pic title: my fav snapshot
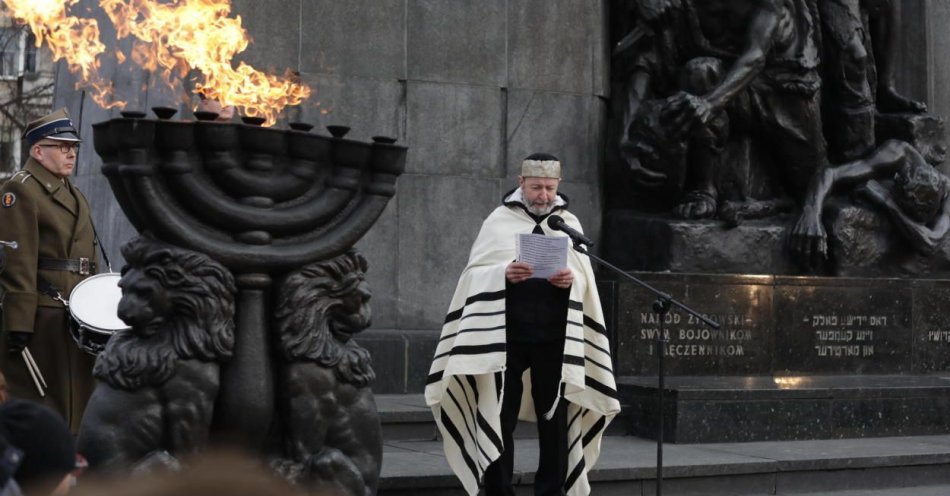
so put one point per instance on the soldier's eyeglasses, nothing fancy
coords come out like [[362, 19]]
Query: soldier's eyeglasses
[[64, 147]]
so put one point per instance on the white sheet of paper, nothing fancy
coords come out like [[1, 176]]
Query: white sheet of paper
[[546, 254]]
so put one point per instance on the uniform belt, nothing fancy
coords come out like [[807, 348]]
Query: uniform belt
[[81, 266]]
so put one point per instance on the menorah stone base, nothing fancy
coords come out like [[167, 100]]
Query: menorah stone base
[[796, 358]]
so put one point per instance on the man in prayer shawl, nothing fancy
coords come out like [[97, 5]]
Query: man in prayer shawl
[[516, 346]]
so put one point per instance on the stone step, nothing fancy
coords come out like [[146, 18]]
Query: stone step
[[406, 417], [941, 490], [765, 408], [905, 466]]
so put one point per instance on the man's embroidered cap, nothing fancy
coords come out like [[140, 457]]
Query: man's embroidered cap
[[541, 165], [55, 126]]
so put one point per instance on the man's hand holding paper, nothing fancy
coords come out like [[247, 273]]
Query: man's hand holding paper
[[542, 257]]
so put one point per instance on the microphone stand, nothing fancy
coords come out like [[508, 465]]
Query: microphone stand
[[660, 308]]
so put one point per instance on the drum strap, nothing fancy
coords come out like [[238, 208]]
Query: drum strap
[[47, 288], [102, 249]]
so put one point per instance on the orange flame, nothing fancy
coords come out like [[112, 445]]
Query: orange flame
[[181, 35], [72, 39], [173, 38]]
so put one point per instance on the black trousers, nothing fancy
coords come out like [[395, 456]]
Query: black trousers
[[544, 360]]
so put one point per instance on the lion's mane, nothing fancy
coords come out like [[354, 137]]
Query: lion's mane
[[200, 325], [307, 301]]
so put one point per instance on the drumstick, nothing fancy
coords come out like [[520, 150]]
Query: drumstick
[[35, 366], [29, 368]]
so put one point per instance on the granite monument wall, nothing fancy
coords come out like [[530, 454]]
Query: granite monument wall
[[471, 86]]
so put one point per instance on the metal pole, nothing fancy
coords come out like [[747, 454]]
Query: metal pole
[[661, 306]]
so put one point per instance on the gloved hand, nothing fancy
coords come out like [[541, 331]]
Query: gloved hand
[[17, 340]]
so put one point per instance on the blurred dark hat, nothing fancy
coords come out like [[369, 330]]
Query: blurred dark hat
[[55, 126], [49, 451], [10, 458]]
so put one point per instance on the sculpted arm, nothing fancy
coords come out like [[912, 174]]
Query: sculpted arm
[[750, 63], [691, 110], [808, 237]]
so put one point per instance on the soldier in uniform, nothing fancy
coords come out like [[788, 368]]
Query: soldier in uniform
[[49, 219]]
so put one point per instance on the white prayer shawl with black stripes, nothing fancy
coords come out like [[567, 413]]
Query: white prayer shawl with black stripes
[[464, 387]]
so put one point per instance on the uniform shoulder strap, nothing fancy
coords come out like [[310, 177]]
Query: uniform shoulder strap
[[20, 176]]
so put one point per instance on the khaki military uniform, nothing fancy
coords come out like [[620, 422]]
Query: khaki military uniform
[[48, 218]]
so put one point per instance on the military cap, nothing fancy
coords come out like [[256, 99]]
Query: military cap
[[541, 165], [55, 126]]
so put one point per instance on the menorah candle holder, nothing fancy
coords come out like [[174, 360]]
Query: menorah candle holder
[[260, 201]]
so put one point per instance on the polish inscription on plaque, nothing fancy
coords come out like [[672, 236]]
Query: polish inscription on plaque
[[864, 327], [739, 304]]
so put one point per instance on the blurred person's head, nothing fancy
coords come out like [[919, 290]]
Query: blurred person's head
[[10, 457], [228, 474], [47, 446]]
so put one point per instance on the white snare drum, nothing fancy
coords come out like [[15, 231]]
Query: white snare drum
[[94, 307]]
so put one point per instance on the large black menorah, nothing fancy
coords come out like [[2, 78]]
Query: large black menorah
[[262, 202]]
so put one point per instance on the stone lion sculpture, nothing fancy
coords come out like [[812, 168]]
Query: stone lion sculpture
[[332, 436], [158, 380]]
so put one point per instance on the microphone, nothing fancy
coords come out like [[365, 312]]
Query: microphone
[[557, 223]]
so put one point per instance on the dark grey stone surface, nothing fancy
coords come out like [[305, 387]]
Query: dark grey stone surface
[[842, 326], [565, 125], [766, 408], [388, 350], [462, 41], [363, 38], [918, 466], [931, 340], [436, 232], [401, 359], [455, 130], [552, 45], [420, 348], [916, 413], [938, 94], [382, 273], [370, 107], [274, 48], [585, 203]]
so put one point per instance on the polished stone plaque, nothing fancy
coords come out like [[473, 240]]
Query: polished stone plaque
[[849, 326], [778, 325], [740, 304]]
